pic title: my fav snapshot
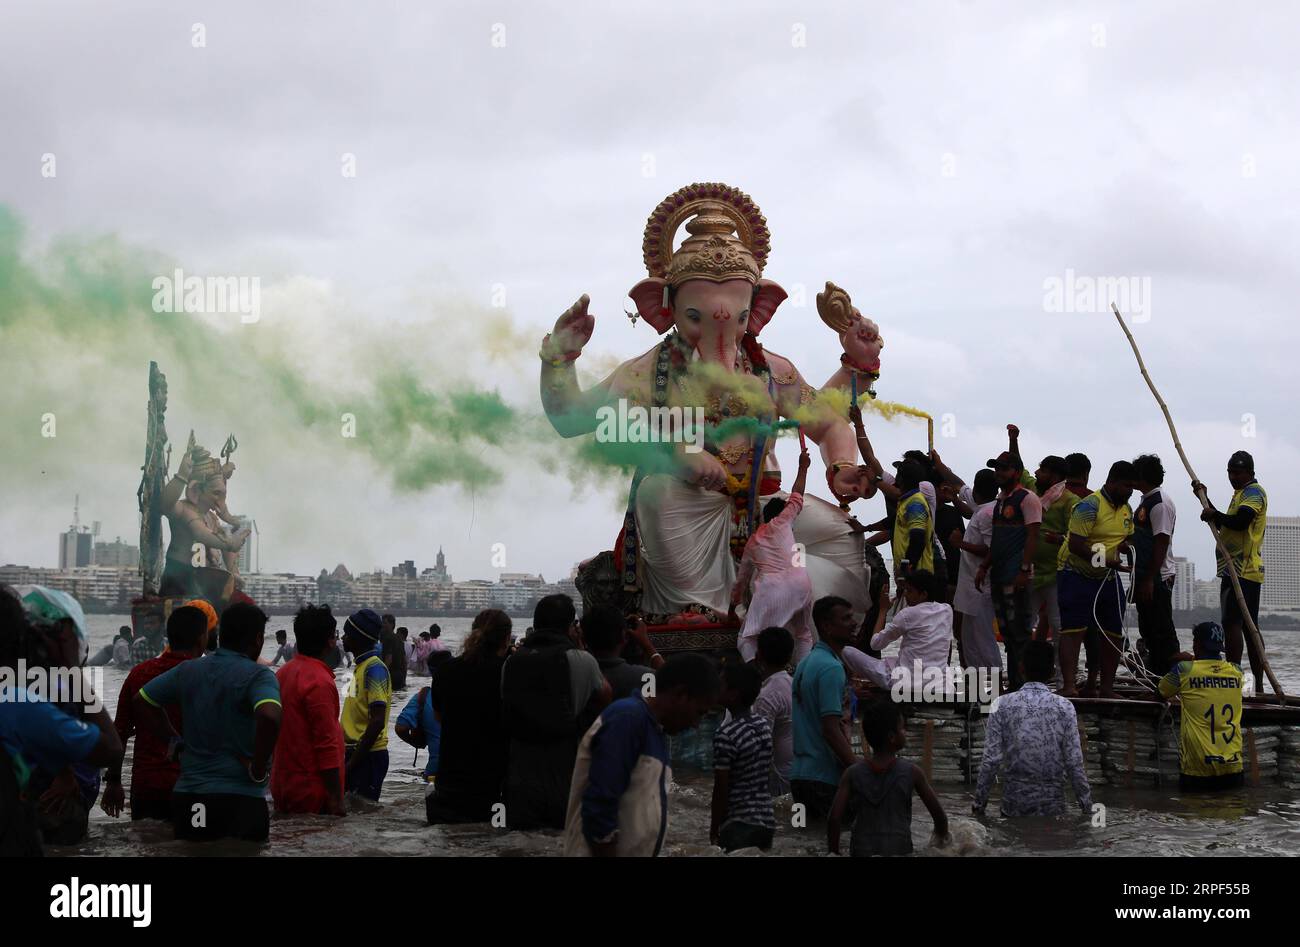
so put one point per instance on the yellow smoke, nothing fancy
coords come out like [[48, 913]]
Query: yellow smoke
[[835, 402], [892, 409], [705, 381]]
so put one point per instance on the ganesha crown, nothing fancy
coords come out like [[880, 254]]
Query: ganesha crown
[[728, 236]]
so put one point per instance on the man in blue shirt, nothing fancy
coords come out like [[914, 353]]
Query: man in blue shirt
[[231, 708], [821, 742]]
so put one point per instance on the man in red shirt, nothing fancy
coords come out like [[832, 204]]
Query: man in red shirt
[[154, 769], [306, 772]]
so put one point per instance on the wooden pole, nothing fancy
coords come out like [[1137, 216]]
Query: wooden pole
[[1246, 620]]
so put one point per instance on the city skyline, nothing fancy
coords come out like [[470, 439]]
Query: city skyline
[[1281, 555]]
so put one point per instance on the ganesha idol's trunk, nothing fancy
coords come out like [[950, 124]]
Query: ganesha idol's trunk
[[720, 351]]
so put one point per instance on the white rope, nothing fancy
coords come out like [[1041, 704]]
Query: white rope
[[1129, 657]]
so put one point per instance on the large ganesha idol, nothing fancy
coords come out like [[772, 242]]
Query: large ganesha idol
[[688, 520]]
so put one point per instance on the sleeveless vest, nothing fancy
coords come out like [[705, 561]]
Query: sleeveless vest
[[1008, 543], [1144, 536]]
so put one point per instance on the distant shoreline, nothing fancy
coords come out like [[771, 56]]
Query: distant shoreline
[[281, 611], [1182, 620]]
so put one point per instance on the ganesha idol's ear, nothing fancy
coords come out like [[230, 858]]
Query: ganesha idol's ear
[[767, 296], [648, 296]]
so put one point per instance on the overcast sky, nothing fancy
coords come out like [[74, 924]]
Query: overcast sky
[[941, 161]]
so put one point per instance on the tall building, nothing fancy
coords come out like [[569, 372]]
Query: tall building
[[246, 558], [1281, 554], [75, 547], [406, 569], [439, 572], [1184, 584], [117, 554]]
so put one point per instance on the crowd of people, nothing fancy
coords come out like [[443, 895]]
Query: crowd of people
[[569, 728]]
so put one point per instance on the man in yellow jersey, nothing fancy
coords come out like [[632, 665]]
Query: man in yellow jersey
[[1242, 531], [365, 708], [1089, 590], [913, 522], [1209, 690]]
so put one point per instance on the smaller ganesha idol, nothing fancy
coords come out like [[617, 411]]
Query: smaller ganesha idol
[[859, 337]]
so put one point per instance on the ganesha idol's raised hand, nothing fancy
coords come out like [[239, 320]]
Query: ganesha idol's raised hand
[[859, 337]]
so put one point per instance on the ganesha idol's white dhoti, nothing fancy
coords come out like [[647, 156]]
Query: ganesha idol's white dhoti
[[685, 535]]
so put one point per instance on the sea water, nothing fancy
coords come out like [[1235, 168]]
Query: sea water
[[1264, 820]]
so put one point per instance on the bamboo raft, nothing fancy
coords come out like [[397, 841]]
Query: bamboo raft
[[1130, 742]]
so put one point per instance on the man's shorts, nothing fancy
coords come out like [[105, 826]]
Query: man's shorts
[[368, 778], [1090, 603], [151, 809], [1228, 601], [736, 834], [200, 817], [814, 795]]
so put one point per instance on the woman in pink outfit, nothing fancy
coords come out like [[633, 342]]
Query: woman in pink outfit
[[782, 594]]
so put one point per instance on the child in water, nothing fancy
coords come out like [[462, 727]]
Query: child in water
[[879, 791]]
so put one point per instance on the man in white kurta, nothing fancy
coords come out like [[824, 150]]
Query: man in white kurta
[[979, 644]]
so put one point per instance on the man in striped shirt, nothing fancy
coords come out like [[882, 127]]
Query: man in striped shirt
[[742, 759]]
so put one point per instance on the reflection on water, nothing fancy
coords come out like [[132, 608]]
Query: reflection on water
[[1139, 821]]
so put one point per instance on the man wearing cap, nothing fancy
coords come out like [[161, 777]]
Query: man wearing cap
[[1208, 689], [1009, 564], [1153, 564], [365, 709], [1088, 583], [1242, 532], [210, 614]]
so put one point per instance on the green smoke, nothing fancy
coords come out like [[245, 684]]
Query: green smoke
[[79, 330]]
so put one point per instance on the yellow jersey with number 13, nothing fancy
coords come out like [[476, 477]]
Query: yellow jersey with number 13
[[1210, 735]]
